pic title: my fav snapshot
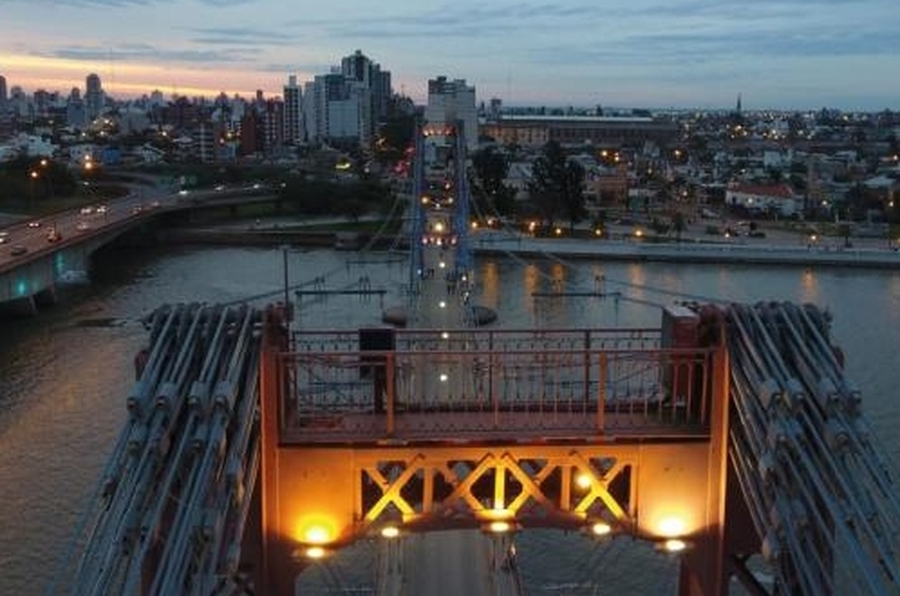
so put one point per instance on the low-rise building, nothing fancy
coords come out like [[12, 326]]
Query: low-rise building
[[777, 199], [537, 130]]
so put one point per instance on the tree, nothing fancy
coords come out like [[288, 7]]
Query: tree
[[844, 230], [572, 193], [556, 185], [678, 224], [396, 134], [491, 167]]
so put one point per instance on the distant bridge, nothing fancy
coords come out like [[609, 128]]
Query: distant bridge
[[30, 279]]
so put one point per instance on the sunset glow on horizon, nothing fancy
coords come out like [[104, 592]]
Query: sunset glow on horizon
[[778, 54], [131, 80]]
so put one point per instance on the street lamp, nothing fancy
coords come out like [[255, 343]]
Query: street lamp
[[34, 176]]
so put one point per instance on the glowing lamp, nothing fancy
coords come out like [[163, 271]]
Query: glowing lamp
[[674, 545], [583, 481], [671, 527], [499, 526], [317, 535]]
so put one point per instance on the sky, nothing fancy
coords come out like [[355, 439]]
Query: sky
[[778, 54]]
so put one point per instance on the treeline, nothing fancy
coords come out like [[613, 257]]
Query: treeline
[[28, 181], [348, 198]]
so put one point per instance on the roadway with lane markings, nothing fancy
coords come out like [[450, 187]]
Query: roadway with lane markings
[[34, 234], [42, 234]]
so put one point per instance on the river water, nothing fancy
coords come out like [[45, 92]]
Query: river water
[[64, 375]]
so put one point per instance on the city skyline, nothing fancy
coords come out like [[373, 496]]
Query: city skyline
[[778, 54]]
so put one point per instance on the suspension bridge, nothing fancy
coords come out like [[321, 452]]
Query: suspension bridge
[[252, 450]]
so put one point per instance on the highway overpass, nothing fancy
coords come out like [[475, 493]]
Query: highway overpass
[[38, 254]]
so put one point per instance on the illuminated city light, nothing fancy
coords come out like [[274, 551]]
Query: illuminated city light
[[317, 535], [674, 545], [672, 526]]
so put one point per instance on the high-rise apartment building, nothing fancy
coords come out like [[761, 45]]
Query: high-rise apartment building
[[294, 133], [347, 103], [451, 102], [4, 97], [381, 94], [18, 105], [273, 126], [357, 67], [319, 93], [93, 96], [5, 119], [376, 84]]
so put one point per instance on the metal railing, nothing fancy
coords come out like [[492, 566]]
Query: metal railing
[[450, 385]]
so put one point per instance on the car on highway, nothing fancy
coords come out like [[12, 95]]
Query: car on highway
[[53, 235], [83, 226], [102, 209], [34, 224], [18, 250], [4, 237], [87, 210]]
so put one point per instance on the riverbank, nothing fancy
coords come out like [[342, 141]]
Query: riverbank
[[762, 253], [756, 251]]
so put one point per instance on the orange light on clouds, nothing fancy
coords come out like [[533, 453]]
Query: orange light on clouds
[[133, 79]]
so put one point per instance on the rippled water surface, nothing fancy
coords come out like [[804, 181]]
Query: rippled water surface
[[64, 376]]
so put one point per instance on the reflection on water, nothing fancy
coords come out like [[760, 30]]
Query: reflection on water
[[65, 375]]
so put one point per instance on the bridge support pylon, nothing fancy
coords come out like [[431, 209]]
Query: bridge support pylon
[[277, 565], [704, 571], [321, 490]]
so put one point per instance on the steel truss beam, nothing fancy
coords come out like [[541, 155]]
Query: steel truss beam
[[567, 490]]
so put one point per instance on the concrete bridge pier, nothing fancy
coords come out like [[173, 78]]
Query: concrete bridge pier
[[277, 563], [704, 570], [46, 297]]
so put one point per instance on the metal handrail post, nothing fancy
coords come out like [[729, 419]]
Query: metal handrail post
[[389, 389], [601, 391]]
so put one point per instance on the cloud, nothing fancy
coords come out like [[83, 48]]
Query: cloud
[[295, 67], [226, 3], [90, 4], [449, 21], [241, 36], [149, 53]]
